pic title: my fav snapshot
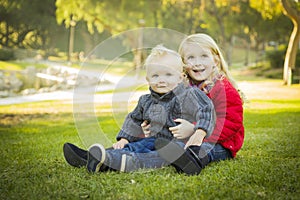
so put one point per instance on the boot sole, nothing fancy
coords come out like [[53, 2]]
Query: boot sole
[[96, 158]]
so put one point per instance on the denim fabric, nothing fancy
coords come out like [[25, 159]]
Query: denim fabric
[[139, 155], [215, 152], [133, 161], [144, 145], [142, 155]]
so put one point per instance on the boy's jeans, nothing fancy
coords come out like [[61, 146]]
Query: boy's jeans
[[135, 156]]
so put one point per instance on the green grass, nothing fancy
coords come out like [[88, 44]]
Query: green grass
[[17, 65], [116, 67], [33, 167]]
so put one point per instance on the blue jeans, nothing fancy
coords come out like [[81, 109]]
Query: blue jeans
[[144, 145], [215, 152], [134, 156], [142, 155]]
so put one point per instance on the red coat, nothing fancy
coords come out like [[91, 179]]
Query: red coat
[[229, 129]]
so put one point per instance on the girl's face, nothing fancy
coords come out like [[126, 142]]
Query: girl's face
[[200, 61], [163, 74]]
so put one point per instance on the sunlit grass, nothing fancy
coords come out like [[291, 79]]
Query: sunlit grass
[[17, 65], [272, 106], [33, 167]]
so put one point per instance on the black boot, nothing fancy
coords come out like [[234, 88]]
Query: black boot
[[74, 155], [185, 161], [199, 154]]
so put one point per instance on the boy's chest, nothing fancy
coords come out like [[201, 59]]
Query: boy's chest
[[163, 112]]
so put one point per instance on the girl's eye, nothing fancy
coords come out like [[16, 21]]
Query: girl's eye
[[204, 55], [169, 74], [154, 75]]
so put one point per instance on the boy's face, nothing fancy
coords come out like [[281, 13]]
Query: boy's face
[[163, 74]]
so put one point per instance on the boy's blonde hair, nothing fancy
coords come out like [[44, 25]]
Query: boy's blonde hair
[[160, 51]]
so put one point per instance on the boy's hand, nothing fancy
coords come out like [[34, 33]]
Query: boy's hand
[[196, 138], [146, 128], [120, 144], [183, 130]]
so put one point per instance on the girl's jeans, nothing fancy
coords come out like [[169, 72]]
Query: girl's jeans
[[142, 155], [215, 152]]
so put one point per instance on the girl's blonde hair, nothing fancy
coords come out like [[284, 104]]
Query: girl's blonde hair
[[205, 40], [220, 71]]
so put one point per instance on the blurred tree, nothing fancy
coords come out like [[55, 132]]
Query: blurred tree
[[113, 16], [117, 16], [256, 27], [184, 16], [219, 21], [247, 19], [33, 24], [292, 10], [271, 9], [28, 24]]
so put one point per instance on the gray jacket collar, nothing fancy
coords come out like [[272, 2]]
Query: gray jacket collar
[[170, 95]]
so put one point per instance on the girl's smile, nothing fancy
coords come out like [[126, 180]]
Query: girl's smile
[[198, 70]]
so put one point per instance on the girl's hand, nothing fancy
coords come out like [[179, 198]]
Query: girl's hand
[[196, 138], [146, 128], [120, 144], [183, 130]]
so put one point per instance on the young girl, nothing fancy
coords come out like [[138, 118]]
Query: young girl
[[207, 70]]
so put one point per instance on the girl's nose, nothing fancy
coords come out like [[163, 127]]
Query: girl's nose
[[194, 62], [198, 61]]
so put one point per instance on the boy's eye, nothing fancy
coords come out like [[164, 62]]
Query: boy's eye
[[169, 74], [190, 57], [204, 55], [154, 75]]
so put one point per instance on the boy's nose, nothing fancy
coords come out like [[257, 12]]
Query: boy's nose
[[161, 80]]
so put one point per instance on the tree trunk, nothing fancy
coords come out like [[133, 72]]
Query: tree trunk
[[293, 13]]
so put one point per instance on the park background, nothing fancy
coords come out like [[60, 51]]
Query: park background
[[45, 44]]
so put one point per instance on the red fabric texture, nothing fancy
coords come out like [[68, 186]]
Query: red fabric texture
[[229, 128]]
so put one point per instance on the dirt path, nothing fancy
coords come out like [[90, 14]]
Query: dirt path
[[266, 90], [259, 90]]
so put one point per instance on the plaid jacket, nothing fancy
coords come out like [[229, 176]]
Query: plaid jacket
[[183, 102]]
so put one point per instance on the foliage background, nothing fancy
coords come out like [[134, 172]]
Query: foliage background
[[45, 25]]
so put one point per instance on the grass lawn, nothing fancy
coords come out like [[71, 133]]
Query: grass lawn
[[32, 164]]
